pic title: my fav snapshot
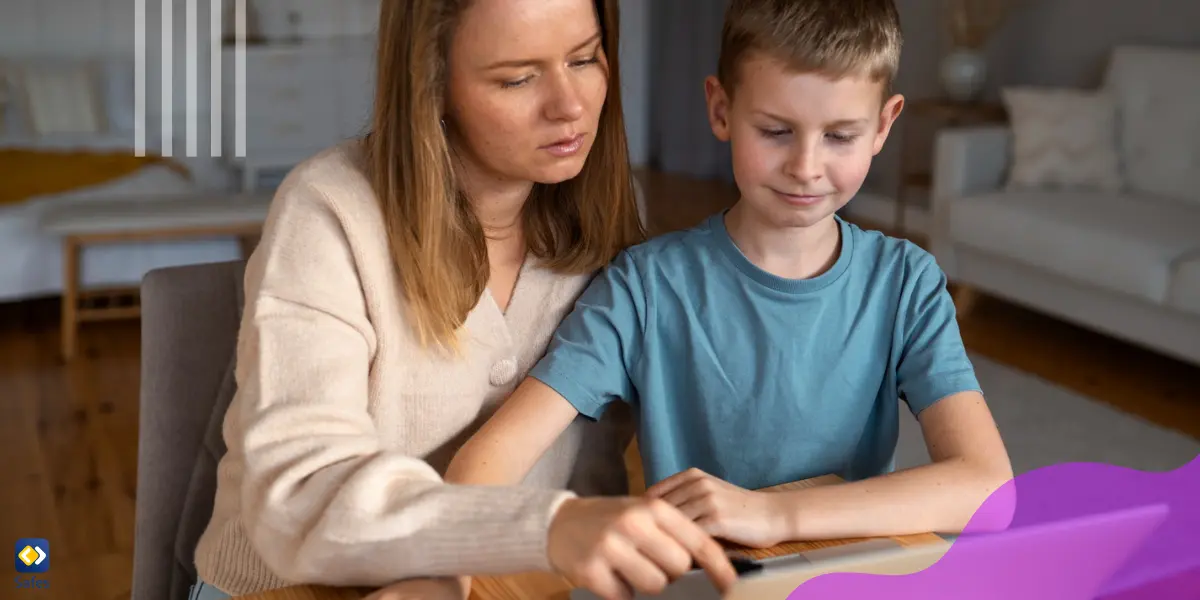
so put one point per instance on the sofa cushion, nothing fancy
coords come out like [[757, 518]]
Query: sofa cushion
[[1185, 285], [1121, 243], [1063, 138], [1157, 91]]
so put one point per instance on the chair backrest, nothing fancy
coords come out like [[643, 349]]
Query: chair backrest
[[190, 319]]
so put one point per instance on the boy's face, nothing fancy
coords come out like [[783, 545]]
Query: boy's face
[[802, 144]]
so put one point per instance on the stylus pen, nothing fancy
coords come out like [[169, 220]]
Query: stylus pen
[[741, 565]]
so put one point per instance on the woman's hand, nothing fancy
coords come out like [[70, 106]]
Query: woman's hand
[[616, 547], [724, 510], [443, 588]]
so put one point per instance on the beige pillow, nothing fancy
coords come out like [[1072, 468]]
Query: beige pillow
[[1063, 139]]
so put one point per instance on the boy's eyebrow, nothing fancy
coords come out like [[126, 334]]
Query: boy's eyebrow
[[838, 123], [527, 63]]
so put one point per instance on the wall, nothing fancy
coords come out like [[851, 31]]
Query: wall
[[1047, 42], [635, 77], [105, 28]]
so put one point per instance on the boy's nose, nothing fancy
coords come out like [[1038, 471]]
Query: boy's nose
[[803, 166]]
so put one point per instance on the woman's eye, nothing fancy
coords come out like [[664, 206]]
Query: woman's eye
[[515, 83], [585, 62]]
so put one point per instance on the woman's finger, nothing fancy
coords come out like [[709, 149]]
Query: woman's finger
[[672, 558], [703, 548], [636, 569], [602, 581]]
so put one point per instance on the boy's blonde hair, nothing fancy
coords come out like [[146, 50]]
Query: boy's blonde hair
[[836, 38]]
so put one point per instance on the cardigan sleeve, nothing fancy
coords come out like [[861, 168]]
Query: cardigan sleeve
[[323, 501]]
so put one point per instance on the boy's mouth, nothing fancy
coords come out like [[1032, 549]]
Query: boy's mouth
[[800, 199]]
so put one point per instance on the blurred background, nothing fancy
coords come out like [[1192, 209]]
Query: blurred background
[[1049, 157]]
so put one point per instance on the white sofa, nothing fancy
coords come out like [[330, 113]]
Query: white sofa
[[1124, 262]]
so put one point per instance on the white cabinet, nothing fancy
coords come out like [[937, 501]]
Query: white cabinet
[[300, 99]]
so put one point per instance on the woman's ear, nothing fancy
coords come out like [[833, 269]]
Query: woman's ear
[[718, 107]]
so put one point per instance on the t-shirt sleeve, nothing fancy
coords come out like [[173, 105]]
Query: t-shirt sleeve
[[593, 352], [933, 362]]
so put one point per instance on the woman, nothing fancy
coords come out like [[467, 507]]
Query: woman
[[403, 285]]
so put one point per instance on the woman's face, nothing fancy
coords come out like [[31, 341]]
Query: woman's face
[[527, 82]]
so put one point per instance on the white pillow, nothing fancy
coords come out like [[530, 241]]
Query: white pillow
[[1158, 91], [61, 97], [119, 94], [1063, 139]]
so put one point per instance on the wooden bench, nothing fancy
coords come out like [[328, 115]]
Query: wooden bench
[[138, 220]]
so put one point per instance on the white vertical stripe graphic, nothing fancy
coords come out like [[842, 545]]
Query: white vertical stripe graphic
[[214, 66], [139, 78], [239, 84], [168, 77], [192, 68]]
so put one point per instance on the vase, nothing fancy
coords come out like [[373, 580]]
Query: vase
[[963, 74]]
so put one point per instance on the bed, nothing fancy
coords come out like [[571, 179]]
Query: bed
[[31, 262]]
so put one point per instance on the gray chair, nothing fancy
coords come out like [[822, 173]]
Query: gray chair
[[190, 319]]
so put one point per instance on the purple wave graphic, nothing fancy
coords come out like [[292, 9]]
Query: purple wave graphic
[[1153, 552]]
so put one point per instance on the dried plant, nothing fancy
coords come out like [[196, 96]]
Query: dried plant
[[970, 23]]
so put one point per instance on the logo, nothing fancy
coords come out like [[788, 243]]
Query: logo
[[143, 42], [32, 555]]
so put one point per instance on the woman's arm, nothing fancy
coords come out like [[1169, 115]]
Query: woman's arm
[[324, 501], [510, 443]]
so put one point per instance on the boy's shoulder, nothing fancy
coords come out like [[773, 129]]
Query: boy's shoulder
[[670, 247], [888, 256]]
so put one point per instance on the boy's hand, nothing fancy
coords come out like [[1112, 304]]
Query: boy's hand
[[724, 510], [449, 588], [616, 547]]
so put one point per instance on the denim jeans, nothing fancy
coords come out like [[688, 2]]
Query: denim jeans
[[203, 591]]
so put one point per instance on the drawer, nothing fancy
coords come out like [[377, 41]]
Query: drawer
[[296, 98], [271, 67], [280, 131]]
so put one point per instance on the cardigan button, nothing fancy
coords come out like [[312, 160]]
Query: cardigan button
[[504, 371]]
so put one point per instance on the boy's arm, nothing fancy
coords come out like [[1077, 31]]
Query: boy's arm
[[508, 445], [968, 465], [586, 367], [968, 459]]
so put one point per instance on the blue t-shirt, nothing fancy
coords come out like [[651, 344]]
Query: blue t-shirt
[[754, 378]]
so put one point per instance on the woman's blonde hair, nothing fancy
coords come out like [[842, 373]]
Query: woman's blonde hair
[[436, 242]]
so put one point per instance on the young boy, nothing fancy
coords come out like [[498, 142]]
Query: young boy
[[773, 342]]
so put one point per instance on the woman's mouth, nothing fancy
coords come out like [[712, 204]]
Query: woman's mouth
[[565, 147]]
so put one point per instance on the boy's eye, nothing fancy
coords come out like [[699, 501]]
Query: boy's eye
[[842, 138], [772, 133]]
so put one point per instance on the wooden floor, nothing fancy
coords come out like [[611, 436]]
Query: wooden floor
[[71, 430]]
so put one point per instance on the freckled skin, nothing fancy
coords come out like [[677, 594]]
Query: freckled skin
[[501, 118]]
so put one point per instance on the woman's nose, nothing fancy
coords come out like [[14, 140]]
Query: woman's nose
[[565, 102]]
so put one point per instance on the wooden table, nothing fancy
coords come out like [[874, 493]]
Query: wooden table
[[548, 586]]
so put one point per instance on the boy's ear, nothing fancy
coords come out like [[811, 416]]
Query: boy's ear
[[718, 107], [887, 117]]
